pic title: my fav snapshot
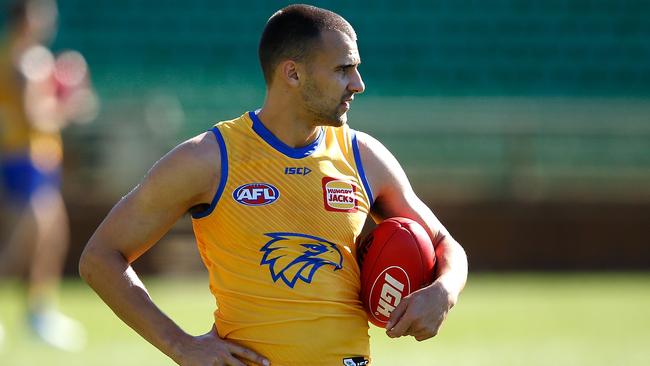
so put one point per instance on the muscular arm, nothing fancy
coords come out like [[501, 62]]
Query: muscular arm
[[422, 313], [185, 177]]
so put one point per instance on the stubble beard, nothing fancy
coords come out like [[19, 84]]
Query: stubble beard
[[325, 111]]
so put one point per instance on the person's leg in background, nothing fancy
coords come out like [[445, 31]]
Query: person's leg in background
[[37, 248]]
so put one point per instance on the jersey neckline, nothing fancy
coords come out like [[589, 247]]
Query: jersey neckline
[[292, 152]]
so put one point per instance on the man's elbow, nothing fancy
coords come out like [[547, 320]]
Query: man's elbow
[[97, 263], [88, 263]]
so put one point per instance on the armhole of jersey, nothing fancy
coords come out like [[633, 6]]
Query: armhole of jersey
[[362, 173], [224, 175]]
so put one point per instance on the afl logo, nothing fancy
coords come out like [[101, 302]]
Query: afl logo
[[256, 194]]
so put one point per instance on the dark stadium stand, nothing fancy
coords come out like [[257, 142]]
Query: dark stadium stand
[[560, 47], [490, 96], [525, 102]]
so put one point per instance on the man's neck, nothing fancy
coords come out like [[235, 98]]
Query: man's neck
[[288, 126]]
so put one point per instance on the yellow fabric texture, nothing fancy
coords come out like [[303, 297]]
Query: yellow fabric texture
[[15, 130], [18, 136], [282, 262]]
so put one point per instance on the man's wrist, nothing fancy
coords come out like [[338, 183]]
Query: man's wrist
[[450, 290], [176, 343]]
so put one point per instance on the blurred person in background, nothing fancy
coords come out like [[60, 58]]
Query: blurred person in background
[[40, 93]]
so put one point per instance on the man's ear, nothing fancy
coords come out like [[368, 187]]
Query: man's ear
[[289, 72]]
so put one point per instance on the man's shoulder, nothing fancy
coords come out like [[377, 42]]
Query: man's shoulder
[[189, 170], [205, 147], [239, 122], [382, 169], [197, 159], [199, 148], [369, 147]]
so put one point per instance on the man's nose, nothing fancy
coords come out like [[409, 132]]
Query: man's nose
[[356, 84]]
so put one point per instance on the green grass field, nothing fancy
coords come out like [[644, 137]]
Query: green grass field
[[513, 319]]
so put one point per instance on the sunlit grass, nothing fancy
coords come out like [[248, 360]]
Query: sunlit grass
[[502, 319]]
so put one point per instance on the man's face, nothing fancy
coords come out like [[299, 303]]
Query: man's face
[[332, 79]]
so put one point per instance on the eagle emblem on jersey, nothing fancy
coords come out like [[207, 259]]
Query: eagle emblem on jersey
[[292, 256]]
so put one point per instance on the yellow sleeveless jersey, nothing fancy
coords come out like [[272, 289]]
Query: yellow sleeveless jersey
[[15, 130], [18, 138], [278, 243]]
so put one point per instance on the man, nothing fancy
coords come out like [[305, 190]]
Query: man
[[33, 110], [279, 252]]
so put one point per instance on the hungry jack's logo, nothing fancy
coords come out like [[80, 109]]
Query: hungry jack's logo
[[339, 195]]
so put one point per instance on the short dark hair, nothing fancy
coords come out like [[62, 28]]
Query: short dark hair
[[293, 31]]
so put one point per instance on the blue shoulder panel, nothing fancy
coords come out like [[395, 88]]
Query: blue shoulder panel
[[362, 173], [224, 175]]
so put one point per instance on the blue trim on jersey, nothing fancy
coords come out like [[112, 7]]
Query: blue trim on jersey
[[223, 178], [357, 160], [292, 152]]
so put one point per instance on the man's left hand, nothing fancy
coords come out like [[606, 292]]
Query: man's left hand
[[421, 313]]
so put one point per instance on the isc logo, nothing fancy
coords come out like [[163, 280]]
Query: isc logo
[[355, 361], [256, 194], [391, 285], [296, 171]]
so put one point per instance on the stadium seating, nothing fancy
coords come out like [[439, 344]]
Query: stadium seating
[[503, 94], [435, 47]]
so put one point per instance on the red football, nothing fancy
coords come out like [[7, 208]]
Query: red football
[[396, 258]]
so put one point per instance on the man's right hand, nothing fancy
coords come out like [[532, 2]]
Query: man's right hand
[[210, 350], [184, 178]]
